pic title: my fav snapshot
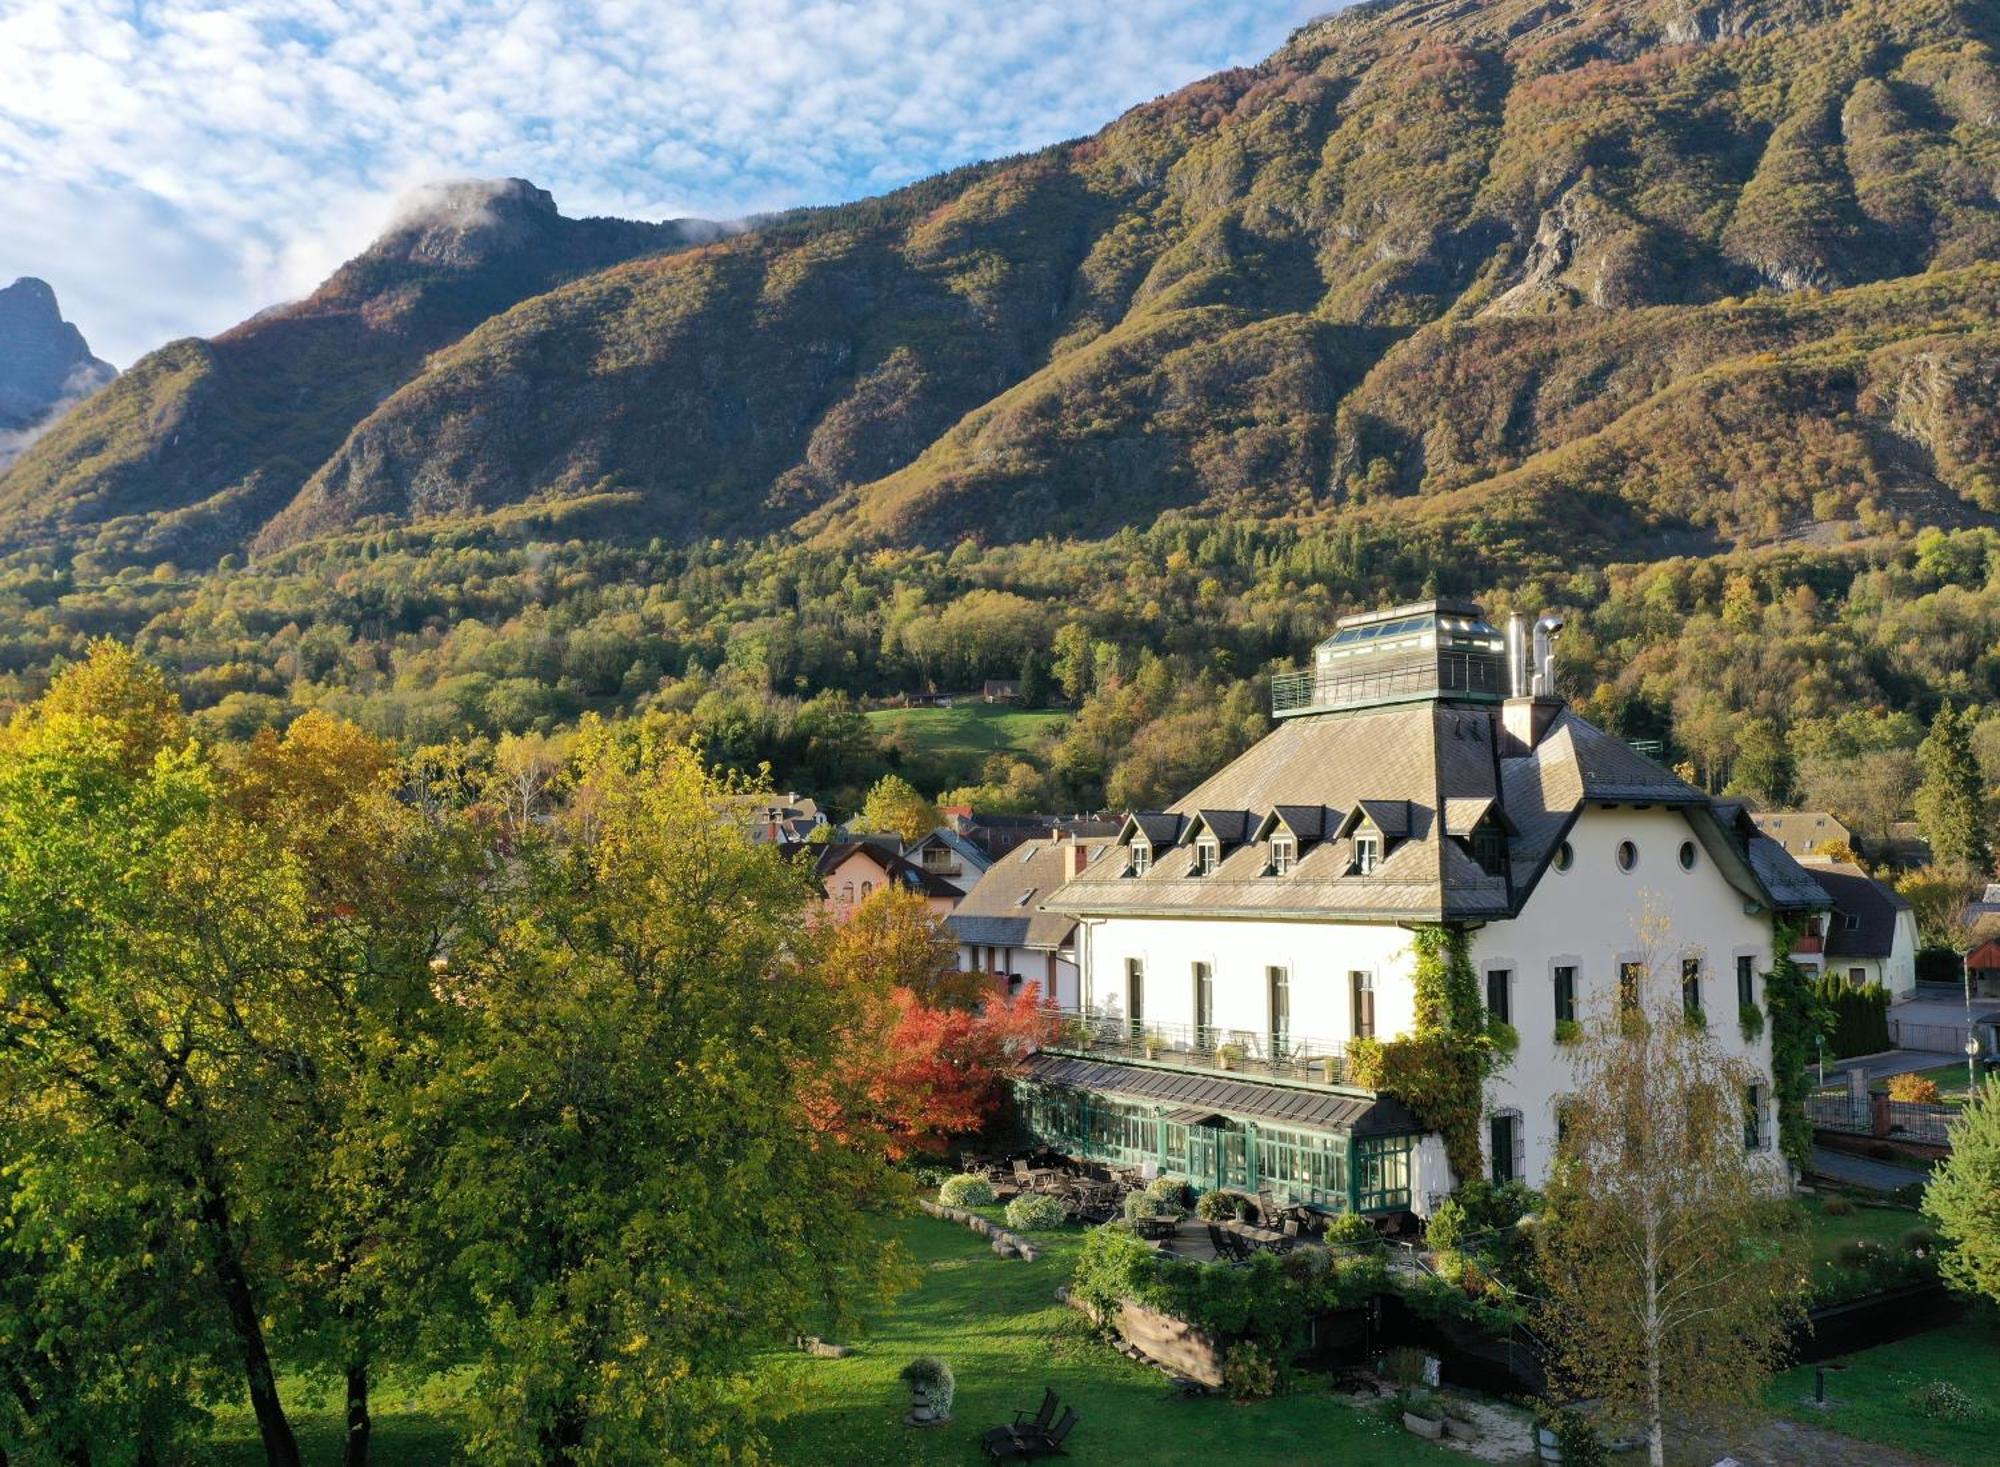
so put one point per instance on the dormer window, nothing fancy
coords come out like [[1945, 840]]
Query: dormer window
[[1284, 854], [1142, 857], [1489, 848], [1367, 853], [1206, 854]]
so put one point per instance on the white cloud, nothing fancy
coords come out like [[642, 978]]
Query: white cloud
[[173, 165]]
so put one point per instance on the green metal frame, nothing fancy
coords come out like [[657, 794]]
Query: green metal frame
[[1329, 1170]]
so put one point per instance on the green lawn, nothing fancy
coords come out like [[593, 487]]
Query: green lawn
[[949, 746], [1872, 1397], [998, 1324], [414, 1427], [1874, 1224], [1950, 1082]]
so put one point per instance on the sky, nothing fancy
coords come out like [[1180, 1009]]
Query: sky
[[172, 166]]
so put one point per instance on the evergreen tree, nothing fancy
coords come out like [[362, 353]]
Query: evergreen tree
[[1951, 799]]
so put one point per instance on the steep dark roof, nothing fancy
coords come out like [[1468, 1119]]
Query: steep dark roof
[[1004, 907], [1229, 827], [1871, 905], [1312, 1109], [1160, 828], [1307, 822], [831, 856], [1427, 774]]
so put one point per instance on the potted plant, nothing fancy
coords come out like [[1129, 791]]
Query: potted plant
[[1153, 1043], [931, 1386], [1228, 1056], [1460, 1424], [1408, 1370]]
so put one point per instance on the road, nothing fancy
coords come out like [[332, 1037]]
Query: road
[[1859, 1171]]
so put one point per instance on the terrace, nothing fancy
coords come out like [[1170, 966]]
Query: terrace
[[1293, 1058]]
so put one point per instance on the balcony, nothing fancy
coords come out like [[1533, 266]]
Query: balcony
[[1457, 675], [1245, 1053]]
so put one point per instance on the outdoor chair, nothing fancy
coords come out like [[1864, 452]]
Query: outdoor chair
[[1042, 1417], [1028, 1443]]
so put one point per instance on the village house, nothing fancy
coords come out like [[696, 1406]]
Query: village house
[[1004, 928], [781, 818], [1804, 832], [946, 854], [851, 871], [1422, 777], [1871, 933]]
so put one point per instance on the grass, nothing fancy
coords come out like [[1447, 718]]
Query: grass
[[949, 746], [415, 1426], [1950, 1083], [1870, 1223], [1872, 1397], [1005, 1335]]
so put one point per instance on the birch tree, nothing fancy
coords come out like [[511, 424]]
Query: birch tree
[[1672, 1275]]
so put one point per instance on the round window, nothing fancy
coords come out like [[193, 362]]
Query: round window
[[1628, 855], [1687, 855], [1564, 855]]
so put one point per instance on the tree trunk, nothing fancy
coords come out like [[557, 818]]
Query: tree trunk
[[358, 1422], [281, 1448], [1656, 1442]]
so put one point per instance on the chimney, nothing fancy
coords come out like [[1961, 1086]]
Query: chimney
[[1076, 855], [1532, 704]]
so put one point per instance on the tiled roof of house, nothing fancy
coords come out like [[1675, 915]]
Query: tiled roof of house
[[1317, 1109], [1401, 767], [1870, 905], [1801, 831], [1004, 908]]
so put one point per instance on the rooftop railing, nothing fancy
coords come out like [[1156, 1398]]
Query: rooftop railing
[[1464, 674], [1247, 1052]]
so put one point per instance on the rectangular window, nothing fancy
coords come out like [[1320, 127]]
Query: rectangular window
[[1753, 1118], [1500, 995], [1505, 1136], [1283, 852], [1279, 983], [1489, 848], [1204, 857], [1361, 1003], [1746, 980], [1565, 987], [1857, 977], [1631, 987], [1691, 989], [1367, 853], [1142, 858], [1204, 1005], [1135, 994]]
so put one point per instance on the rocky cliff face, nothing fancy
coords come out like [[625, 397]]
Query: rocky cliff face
[[45, 365], [1682, 268]]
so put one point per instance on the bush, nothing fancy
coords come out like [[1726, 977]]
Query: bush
[[1914, 1090], [1036, 1212], [1568, 1031], [967, 1189], [1857, 1253], [1145, 1204], [1750, 1021], [1171, 1190], [1248, 1374], [1218, 1206], [930, 1380], [1836, 1207], [1940, 1400], [1352, 1231], [1577, 1438], [1112, 1265], [1403, 1367], [1307, 1264], [1921, 1240]]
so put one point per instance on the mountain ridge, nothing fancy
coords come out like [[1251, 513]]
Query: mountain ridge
[[46, 367], [1425, 246]]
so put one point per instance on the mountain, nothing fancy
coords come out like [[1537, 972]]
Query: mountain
[[45, 365], [202, 441], [1624, 277]]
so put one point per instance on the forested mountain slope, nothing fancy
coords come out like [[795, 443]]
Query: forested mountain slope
[[188, 454], [1689, 273]]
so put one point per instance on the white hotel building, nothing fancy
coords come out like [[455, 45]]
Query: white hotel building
[[1421, 772]]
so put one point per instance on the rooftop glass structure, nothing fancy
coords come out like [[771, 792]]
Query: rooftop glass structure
[[1437, 649]]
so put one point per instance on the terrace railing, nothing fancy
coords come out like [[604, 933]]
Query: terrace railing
[[1468, 674], [1893, 1120], [1247, 1052]]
